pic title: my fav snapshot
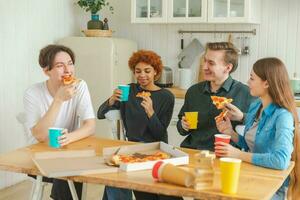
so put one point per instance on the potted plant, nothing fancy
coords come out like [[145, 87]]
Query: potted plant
[[94, 6]]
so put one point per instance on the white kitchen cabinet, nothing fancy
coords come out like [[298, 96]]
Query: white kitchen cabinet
[[183, 11], [195, 11], [148, 11], [233, 11]]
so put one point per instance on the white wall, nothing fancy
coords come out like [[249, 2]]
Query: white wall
[[25, 27], [277, 35]]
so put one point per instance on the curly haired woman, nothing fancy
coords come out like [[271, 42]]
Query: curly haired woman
[[145, 118]]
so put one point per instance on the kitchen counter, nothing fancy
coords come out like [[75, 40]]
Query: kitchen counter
[[178, 92]]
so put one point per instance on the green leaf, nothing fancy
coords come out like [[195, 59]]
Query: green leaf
[[94, 5]]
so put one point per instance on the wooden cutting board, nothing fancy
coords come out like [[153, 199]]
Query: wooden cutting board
[[200, 74], [71, 163]]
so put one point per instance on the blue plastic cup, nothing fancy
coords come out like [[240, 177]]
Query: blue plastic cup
[[125, 92], [54, 133]]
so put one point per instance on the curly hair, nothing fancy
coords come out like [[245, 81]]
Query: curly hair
[[148, 57]]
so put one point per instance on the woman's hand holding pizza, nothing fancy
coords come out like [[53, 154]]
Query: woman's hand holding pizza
[[147, 105], [234, 113], [224, 126]]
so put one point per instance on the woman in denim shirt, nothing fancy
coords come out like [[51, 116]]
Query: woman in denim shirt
[[271, 138]]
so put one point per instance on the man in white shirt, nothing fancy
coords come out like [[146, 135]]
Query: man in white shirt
[[53, 104]]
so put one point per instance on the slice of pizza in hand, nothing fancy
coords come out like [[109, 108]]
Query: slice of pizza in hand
[[69, 79], [143, 94], [220, 102], [221, 116]]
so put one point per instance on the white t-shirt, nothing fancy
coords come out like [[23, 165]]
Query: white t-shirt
[[37, 101]]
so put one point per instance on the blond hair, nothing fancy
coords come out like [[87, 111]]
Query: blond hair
[[231, 52]]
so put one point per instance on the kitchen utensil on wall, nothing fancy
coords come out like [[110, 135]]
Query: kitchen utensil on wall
[[181, 42], [244, 46], [189, 53]]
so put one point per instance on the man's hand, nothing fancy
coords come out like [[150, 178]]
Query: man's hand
[[148, 106], [185, 124], [65, 93], [65, 138]]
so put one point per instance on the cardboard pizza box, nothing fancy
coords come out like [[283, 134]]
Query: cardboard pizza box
[[177, 157], [71, 163]]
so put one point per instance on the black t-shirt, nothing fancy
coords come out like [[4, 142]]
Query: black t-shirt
[[138, 126]]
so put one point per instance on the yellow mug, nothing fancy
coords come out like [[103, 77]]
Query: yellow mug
[[192, 118], [230, 172]]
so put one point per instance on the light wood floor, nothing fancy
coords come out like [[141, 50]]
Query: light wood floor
[[22, 190]]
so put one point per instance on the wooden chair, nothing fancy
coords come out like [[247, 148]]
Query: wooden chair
[[118, 131], [240, 129]]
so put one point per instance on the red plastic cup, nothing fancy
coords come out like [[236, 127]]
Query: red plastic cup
[[222, 138]]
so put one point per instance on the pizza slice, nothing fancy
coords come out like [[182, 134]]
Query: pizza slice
[[221, 116], [69, 79], [143, 94], [220, 102]]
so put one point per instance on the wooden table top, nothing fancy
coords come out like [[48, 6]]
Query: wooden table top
[[255, 182]]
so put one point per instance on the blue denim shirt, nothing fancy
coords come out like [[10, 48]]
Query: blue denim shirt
[[273, 143]]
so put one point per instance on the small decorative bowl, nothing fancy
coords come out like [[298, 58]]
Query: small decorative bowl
[[97, 33]]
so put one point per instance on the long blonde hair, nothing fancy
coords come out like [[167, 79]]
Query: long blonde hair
[[274, 72]]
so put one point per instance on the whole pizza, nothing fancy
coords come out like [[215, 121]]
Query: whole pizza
[[138, 157]]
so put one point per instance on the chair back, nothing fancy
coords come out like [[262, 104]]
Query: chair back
[[118, 131], [21, 118], [240, 129]]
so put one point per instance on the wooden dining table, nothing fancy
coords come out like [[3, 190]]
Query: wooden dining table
[[254, 183]]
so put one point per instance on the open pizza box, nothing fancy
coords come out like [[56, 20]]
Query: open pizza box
[[71, 163], [177, 157]]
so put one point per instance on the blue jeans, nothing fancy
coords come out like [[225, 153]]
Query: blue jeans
[[280, 194], [114, 193]]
